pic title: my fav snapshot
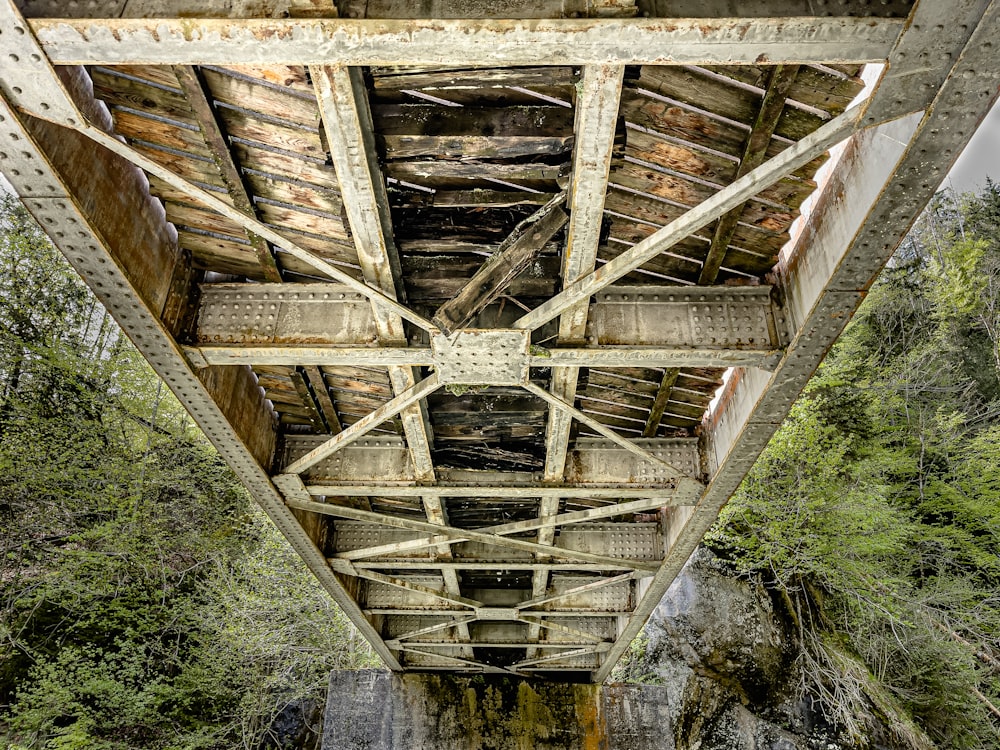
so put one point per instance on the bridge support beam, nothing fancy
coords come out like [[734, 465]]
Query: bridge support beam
[[384, 711]]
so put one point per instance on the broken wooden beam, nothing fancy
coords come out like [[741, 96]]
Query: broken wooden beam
[[511, 258]]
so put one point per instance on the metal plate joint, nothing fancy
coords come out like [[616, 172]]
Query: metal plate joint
[[482, 357]]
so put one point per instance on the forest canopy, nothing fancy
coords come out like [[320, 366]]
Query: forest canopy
[[144, 601]]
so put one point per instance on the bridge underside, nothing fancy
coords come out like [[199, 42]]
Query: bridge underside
[[490, 315]]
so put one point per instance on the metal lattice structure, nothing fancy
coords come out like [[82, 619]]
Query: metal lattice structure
[[491, 315]]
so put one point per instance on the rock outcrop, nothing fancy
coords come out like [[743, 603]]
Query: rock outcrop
[[728, 662]]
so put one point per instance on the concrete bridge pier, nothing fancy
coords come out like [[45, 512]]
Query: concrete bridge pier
[[376, 710]]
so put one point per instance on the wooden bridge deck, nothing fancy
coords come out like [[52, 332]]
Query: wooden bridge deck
[[490, 315]]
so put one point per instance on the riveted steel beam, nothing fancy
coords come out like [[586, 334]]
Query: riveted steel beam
[[503, 42]]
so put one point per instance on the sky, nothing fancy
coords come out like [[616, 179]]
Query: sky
[[981, 158]]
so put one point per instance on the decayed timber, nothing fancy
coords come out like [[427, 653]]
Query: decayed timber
[[510, 259], [513, 495]]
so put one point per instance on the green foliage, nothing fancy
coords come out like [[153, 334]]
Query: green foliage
[[143, 602], [875, 508]]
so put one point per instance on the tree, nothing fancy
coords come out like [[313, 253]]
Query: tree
[[874, 510], [143, 602]]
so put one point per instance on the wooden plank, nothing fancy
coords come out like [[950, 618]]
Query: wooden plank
[[660, 403], [290, 166], [511, 259], [675, 121], [474, 146], [817, 87], [308, 402], [118, 91], [472, 78], [302, 220], [157, 75], [202, 218], [647, 178], [261, 96], [472, 132], [655, 213], [476, 198], [714, 94], [434, 278], [690, 126], [139, 125], [704, 164], [429, 119], [297, 140], [193, 168], [295, 192]]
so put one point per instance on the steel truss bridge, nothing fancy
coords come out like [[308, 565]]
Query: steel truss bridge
[[490, 314]]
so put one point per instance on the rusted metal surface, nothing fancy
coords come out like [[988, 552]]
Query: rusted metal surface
[[514, 494]]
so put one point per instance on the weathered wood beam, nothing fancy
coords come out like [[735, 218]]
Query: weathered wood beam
[[317, 383], [844, 244], [773, 104], [312, 407], [700, 216], [513, 256], [660, 402], [194, 89], [503, 42], [450, 532]]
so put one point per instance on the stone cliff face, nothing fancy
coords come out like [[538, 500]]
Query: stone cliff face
[[727, 660]]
